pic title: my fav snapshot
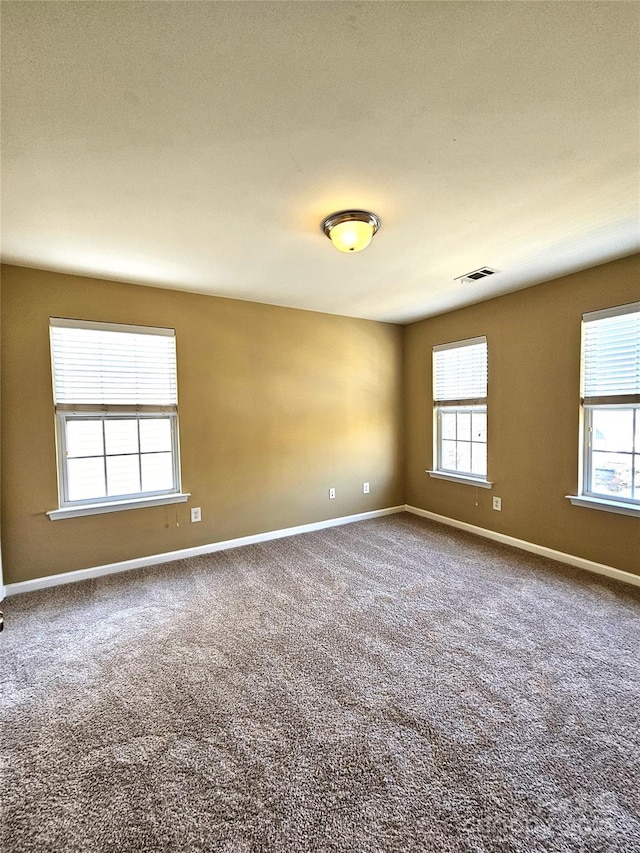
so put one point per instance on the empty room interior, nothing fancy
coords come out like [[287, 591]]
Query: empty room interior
[[320, 427]]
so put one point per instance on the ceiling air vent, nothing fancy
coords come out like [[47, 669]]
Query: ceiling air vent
[[483, 272]]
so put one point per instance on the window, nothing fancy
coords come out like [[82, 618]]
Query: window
[[460, 401], [611, 409], [115, 394]]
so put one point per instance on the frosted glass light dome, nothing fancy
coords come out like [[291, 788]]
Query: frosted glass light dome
[[351, 230]]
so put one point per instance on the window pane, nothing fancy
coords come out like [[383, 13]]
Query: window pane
[[479, 426], [612, 429], [123, 475], [85, 479], [479, 458], [463, 462], [155, 434], [84, 438], [121, 436], [611, 474], [448, 425], [157, 472], [464, 426], [448, 455]]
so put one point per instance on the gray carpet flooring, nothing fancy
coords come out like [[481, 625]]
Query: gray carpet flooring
[[390, 685]]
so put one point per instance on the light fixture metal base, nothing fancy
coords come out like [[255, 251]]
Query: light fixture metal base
[[350, 216]]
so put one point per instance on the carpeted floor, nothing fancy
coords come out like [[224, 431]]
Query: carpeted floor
[[391, 685]]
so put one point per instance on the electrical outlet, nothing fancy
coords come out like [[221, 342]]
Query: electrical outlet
[[332, 494], [196, 513], [365, 488], [497, 504]]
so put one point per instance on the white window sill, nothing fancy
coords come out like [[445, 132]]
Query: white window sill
[[116, 506], [618, 507], [461, 478]]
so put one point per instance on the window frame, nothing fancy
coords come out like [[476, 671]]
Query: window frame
[[587, 489], [464, 404], [64, 417], [66, 413], [456, 409], [587, 497]]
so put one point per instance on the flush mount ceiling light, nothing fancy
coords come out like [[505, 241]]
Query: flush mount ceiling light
[[351, 230]]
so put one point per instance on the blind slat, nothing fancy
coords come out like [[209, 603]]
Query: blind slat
[[93, 364], [460, 372]]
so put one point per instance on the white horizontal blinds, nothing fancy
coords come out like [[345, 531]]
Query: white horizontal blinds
[[104, 364], [460, 371], [611, 356]]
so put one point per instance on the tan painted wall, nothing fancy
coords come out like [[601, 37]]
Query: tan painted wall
[[533, 415], [2, 592], [276, 405]]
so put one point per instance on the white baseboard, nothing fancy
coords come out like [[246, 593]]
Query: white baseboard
[[155, 559], [543, 551]]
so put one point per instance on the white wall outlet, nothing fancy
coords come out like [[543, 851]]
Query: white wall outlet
[[365, 488], [332, 494], [196, 513], [497, 504]]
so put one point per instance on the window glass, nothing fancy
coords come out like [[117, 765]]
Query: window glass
[[123, 475], [611, 474], [463, 457], [479, 426], [85, 479], [157, 471], [612, 430], [448, 421], [479, 458], [85, 438], [155, 435], [463, 426], [121, 436]]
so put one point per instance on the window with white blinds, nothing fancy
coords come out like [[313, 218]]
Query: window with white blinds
[[115, 393], [460, 371], [611, 409], [611, 355], [106, 364], [460, 401]]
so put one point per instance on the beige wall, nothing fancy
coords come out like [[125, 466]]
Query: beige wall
[[533, 415], [2, 590], [276, 405]]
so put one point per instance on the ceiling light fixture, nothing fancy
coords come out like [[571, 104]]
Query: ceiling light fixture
[[351, 230]]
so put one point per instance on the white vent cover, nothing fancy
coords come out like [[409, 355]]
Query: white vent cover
[[483, 272]]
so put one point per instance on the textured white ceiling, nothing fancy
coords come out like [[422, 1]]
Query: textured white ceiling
[[198, 145]]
